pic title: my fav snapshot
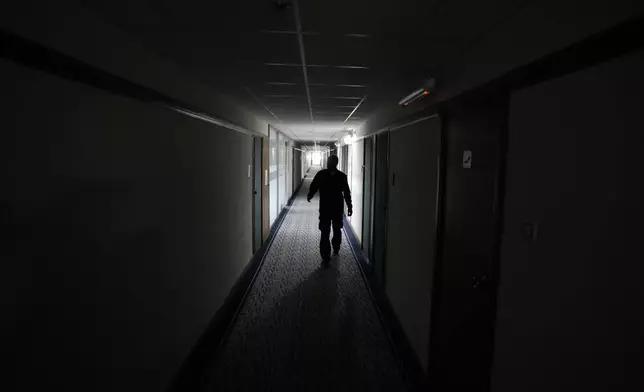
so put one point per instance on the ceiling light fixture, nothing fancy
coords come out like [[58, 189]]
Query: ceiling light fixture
[[350, 137], [424, 90], [300, 41], [354, 109]]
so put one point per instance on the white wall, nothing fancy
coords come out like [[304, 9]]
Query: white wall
[[356, 183], [280, 172], [571, 303]]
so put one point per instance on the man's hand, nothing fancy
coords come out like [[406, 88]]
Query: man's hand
[[350, 212], [308, 199]]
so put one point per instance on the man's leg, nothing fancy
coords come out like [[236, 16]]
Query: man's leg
[[325, 246], [337, 234]]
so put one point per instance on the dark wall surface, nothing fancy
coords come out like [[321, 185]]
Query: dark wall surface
[[464, 309], [571, 299], [76, 28], [125, 227], [532, 30]]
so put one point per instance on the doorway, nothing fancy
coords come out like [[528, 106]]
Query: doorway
[[257, 193], [367, 197], [378, 251], [464, 305]]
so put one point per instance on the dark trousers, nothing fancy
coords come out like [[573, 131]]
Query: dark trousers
[[325, 229]]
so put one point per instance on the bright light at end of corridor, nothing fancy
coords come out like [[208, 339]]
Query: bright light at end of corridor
[[317, 158]]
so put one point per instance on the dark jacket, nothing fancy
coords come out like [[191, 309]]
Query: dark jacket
[[332, 185]]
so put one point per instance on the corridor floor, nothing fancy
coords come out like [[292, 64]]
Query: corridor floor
[[304, 327]]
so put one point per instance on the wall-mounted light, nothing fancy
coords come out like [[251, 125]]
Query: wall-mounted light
[[424, 90], [350, 137]]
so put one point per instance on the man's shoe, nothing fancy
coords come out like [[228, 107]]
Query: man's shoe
[[335, 252], [325, 262]]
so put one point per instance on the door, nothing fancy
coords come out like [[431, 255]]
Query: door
[[377, 255], [345, 159], [257, 193], [414, 153], [266, 226], [464, 309], [281, 170], [289, 172], [273, 175], [296, 164], [367, 199]]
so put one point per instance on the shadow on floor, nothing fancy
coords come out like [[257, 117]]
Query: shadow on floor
[[304, 342]]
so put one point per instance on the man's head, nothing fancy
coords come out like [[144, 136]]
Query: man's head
[[332, 162]]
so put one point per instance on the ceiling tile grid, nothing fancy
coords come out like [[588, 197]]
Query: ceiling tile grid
[[359, 56]]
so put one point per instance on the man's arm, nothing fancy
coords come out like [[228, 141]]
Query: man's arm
[[347, 196], [313, 188]]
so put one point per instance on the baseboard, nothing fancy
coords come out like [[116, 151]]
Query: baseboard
[[189, 377], [412, 370]]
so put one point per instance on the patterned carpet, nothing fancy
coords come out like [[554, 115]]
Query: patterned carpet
[[303, 327]]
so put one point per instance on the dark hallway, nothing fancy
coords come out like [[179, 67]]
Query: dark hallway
[[155, 161], [305, 327]]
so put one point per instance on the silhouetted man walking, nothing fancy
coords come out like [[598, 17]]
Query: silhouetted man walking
[[332, 184]]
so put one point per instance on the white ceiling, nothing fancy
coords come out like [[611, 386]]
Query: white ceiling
[[248, 49]]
